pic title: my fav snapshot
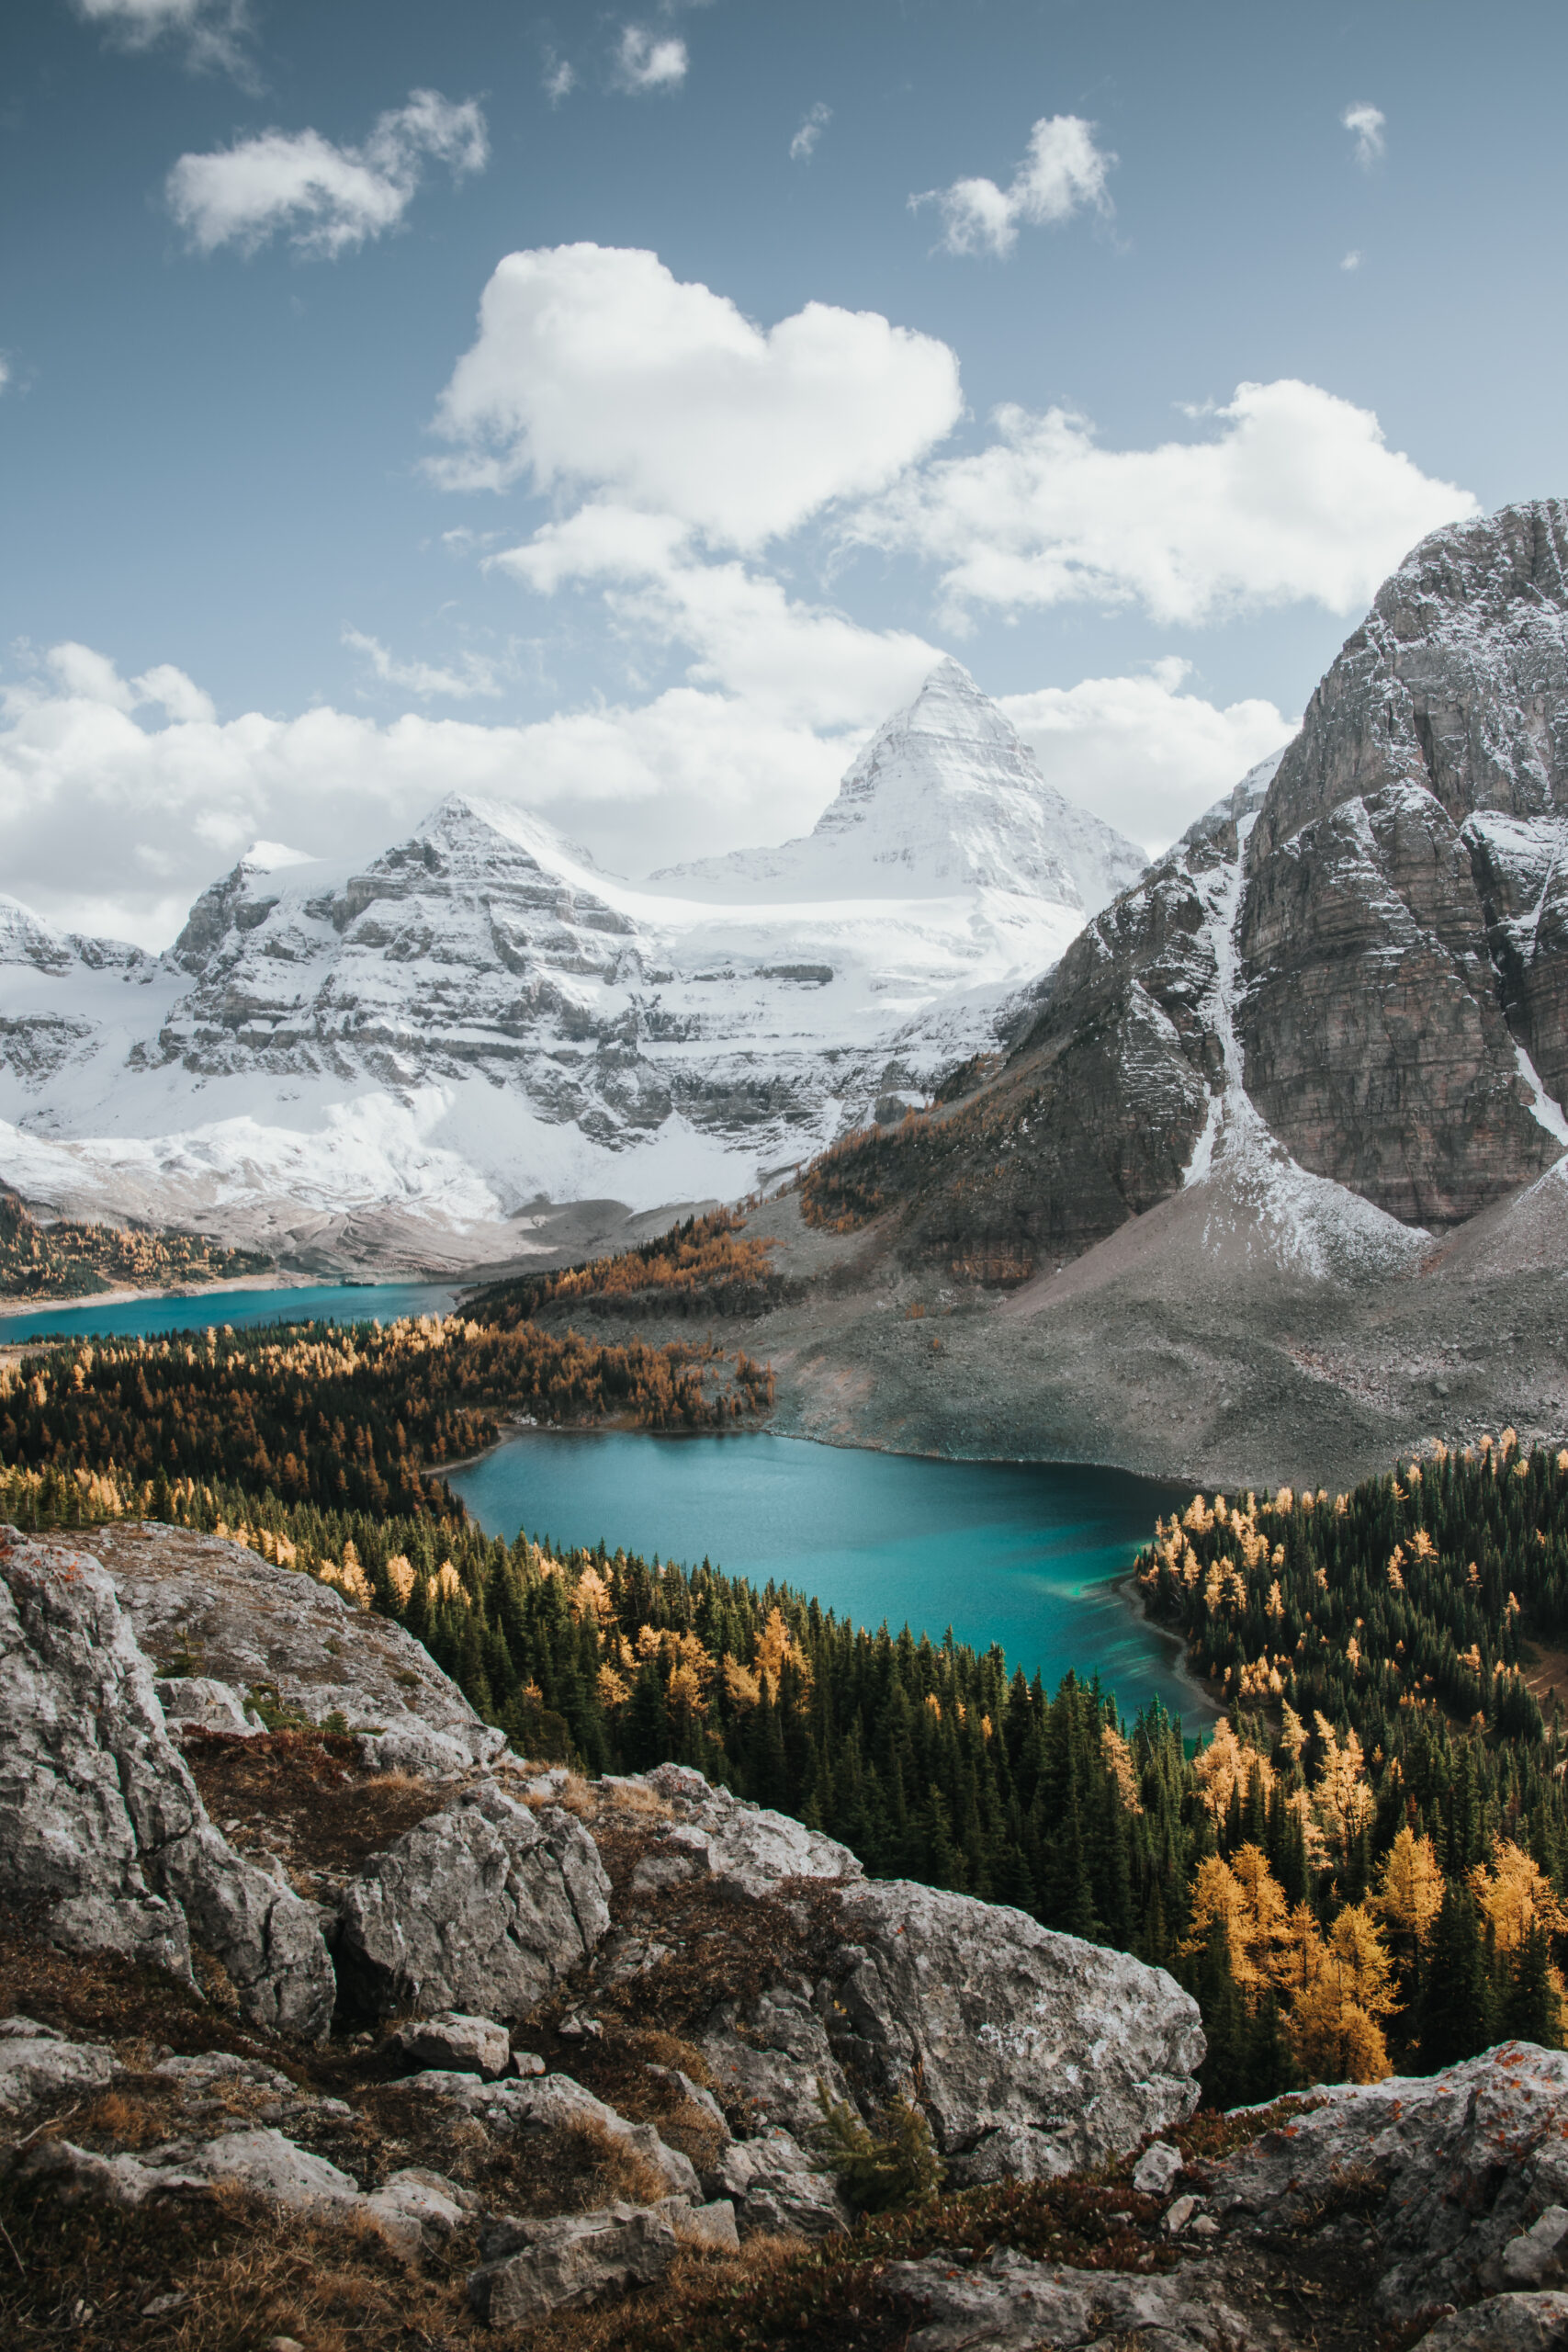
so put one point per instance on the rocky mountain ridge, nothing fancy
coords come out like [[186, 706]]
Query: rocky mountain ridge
[[489, 1947], [480, 1017], [1349, 970]]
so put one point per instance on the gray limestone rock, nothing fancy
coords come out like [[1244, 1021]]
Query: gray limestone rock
[[1007, 2303], [258, 1625], [263, 2164], [1452, 2171], [1156, 2169], [38, 2065], [1537, 2258], [745, 1847], [1503, 2324], [1032, 2053], [712, 2226], [463, 2044], [415, 2210], [483, 1908], [100, 1823], [557, 2103], [198, 1702], [773, 2061], [777, 2189], [572, 2261]]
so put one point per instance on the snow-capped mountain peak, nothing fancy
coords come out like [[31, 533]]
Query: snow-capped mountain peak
[[945, 797], [479, 1014]]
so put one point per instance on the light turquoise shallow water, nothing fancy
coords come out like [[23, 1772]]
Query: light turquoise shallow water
[[1023, 1554], [152, 1318]]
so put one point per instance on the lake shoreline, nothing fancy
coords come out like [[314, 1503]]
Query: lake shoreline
[[1127, 1590]]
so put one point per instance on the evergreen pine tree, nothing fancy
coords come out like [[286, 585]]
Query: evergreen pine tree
[[1530, 2012], [1453, 2016]]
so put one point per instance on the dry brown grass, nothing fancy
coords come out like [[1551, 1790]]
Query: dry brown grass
[[611, 2172], [305, 1796]]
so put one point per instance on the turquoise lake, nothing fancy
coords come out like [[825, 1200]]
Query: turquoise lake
[[151, 1318], [1023, 1554]]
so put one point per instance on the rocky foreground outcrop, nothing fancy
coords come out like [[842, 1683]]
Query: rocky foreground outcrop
[[102, 1831], [579, 2033]]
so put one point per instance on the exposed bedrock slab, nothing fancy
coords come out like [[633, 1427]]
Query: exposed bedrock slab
[[244, 1621], [101, 1827], [1454, 2173], [1008, 2304], [1032, 2053], [744, 1848], [481, 1908]]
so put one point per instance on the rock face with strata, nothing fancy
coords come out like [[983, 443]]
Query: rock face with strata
[[485, 1907], [1402, 927], [102, 1833]]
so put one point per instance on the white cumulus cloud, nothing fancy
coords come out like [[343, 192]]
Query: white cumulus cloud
[[1140, 751], [597, 371], [327, 199], [648, 60], [1366, 125], [1063, 173], [110, 824], [1291, 495], [803, 146]]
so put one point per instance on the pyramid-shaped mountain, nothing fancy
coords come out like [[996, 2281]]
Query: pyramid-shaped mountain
[[945, 797]]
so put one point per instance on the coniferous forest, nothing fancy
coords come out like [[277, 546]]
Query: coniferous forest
[[1362, 1865]]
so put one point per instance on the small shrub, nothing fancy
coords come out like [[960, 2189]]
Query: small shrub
[[895, 2166]]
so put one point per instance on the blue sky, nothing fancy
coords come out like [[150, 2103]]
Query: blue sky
[[294, 543]]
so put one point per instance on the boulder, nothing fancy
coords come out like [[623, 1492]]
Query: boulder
[[556, 2103], [38, 2065], [777, 2189], [566, 2263], [458, 2043], [709, 2227], [744, 1848], [1539, 2256], [415, 2210], [1448, 2171], [1503, 2324], [1007, 2303], [483, 1908], [263, 2164], [1033, 2053], [101, 1828]]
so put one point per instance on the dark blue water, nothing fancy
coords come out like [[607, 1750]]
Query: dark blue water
[[150, 1319], [1023, 1554]]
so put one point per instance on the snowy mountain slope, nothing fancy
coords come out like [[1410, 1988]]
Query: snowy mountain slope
[[946, 795], [480, 1017]]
